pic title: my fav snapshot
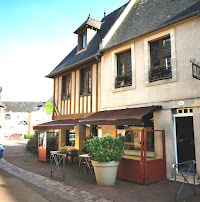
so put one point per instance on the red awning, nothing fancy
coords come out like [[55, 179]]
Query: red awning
[[131, 116], [58, 124]]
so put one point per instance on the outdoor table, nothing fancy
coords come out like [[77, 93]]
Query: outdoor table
[[58, 157], [85, 158]]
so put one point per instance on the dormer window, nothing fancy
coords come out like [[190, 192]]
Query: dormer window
[[86, 32], [82, 40]]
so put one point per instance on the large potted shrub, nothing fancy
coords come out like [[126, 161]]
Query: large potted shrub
[[105, 153]]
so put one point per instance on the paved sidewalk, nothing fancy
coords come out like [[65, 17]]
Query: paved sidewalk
[[64, 191], [13, 189], [76, 182]]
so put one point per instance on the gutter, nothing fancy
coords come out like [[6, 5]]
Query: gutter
[[95, 56], [98, 55]]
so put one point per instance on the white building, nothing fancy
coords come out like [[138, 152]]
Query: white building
[[18, 118]]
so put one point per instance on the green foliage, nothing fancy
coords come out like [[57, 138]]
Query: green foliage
[[122, 77], [51, 141], [157, 68], [105, 149], [32, 141], [28, 136]]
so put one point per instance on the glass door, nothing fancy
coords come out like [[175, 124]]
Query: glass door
[[42, 142]]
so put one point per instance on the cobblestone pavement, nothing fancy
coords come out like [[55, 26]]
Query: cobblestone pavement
[[65, 191]]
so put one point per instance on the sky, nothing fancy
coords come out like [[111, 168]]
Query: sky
[[35, 35]]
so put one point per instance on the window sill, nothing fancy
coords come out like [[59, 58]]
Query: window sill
[[65, 97], [82, 50], [160, 82], [85, 93], [116, 90]]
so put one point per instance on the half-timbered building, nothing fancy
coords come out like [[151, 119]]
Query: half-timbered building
[[135, 75]]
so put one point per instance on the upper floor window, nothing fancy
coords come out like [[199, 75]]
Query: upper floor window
[[66, 86], [160, 53], [124, 70], [7, 116], [82, 40], [86, 81]]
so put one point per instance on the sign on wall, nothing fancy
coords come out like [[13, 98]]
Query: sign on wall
[[48, 107]]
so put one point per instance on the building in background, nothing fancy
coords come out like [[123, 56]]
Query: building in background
[[18, 118]]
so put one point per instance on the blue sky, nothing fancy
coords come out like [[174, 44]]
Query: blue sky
[[35, 35]]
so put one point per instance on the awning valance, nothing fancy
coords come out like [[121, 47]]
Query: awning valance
[[58, 124], [130, 116]]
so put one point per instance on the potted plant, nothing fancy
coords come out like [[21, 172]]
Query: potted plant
[[160, 72], [123, 80], [105, 153]]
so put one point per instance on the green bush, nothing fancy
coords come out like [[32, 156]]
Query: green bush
[[32, 141], [28, 136], [51, 141], [105, 149]]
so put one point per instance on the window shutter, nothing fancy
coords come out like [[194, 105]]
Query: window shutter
[[129, 66]]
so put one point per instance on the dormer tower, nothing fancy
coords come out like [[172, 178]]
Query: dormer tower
[[86, 32]]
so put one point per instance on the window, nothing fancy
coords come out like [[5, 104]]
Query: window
[[160, 52], [70, 138], [132, 143], [124, 70], [42, 139], [7, 116], [86, 81], [23, 123], [82, 40], [90, 131], [66, 86]]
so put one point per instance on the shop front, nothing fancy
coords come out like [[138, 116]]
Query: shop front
[[144, 159], [55, 135]]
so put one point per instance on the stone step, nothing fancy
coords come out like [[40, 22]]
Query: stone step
[[179, 178]]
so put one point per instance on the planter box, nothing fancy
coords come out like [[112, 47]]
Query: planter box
[[160, 74]]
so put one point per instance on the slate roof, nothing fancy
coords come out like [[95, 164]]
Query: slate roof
[[91, 23], [149, 15], [22, 106], [73, 59], [144, 17]]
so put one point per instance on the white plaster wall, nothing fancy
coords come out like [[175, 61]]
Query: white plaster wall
[[12, 126], [187, 47], [163, 121], [39, 117], [166, 93]]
